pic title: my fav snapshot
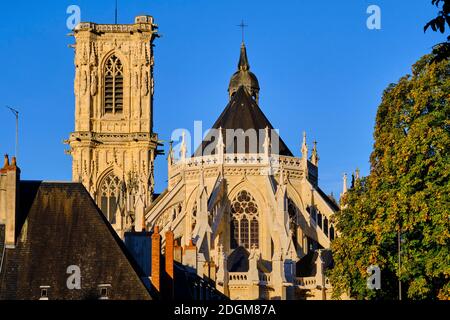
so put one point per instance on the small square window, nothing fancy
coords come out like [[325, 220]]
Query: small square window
[[44, 292], [104, 291]]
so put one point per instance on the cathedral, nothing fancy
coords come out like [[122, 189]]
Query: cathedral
[[247, 213]]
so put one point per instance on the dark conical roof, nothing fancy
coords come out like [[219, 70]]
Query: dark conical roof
[[243, 77], [242, 112]]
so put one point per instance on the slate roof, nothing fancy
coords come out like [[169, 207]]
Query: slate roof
[[63, 227], [242, 112], [306, 267], [187, 282], [237, 261], [328, 200]]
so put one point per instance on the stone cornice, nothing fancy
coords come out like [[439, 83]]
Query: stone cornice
[[113, 137], [116, 28]]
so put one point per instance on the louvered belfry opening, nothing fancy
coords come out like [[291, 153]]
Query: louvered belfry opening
[[113, 85]]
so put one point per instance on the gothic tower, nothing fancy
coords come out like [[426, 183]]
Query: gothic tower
[[113, 146]]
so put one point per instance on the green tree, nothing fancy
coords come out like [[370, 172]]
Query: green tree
[[441, 50], [408, 190]]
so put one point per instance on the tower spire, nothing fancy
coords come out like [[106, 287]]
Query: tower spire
[[315, 155], [304, 147], [243, 77], [344, 184], [357, 174], [243, 64], [170, 155], [183, 148]]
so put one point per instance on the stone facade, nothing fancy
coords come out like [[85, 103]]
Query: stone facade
[[250, 217], [247, 218], [113, 146]]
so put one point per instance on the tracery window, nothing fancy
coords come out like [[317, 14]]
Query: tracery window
[[109, 195], [113, 85], [244, 221]]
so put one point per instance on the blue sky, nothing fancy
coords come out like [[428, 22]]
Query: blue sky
[[321, 70]]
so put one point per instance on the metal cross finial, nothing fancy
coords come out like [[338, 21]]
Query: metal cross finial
[[243, 26]]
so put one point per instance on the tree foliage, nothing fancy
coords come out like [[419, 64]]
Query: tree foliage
[[408, 189], [441, 50]]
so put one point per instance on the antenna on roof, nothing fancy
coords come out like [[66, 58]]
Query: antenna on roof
[[115, 20], [16, 114]]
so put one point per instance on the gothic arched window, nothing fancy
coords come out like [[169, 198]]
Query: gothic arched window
[[292, 211], [244, 221], [312, 212], [254, 233], [319, 220], [113, 85], [325, 226], [109, 196], [332, 233], [194, 216]]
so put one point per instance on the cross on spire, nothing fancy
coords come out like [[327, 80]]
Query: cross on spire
[[242, 26]]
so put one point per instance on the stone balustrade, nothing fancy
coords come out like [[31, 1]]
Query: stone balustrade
[[243, 160], [265, 277], [310, 282], [306, 282], [237, 278]]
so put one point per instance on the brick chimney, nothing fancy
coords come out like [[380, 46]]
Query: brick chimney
[[169, 265], [9, 204], [156, 259]]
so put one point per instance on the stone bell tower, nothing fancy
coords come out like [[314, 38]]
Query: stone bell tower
[[113, 146]]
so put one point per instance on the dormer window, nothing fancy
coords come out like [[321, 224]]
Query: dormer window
[[44, 292], [104, 291], [113, 86]]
